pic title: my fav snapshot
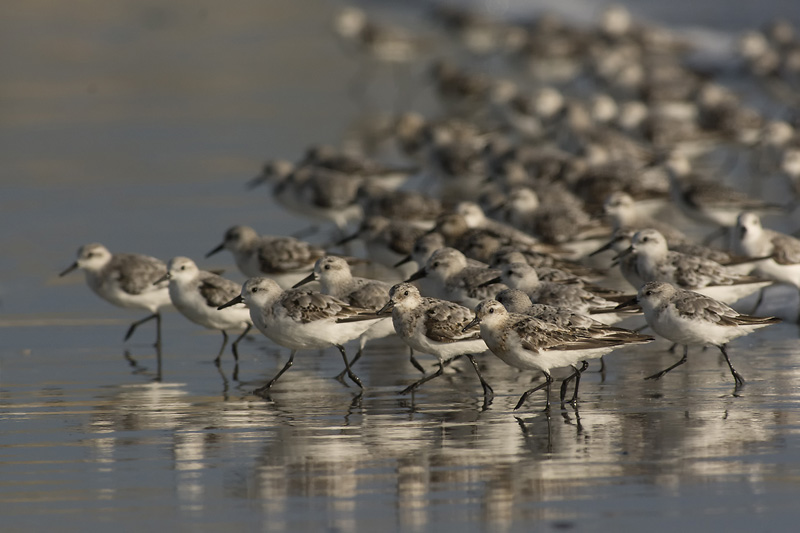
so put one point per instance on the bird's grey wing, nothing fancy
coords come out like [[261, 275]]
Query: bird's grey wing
[[696, 306], [694, 272], [136, 273], [445, 320], [217, 290], [786, 250], [370, 294], [308, 306], [283, 254]]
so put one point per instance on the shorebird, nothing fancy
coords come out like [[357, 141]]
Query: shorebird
[[433, 326], [196, 294], [655, 262], [125, 280], [336, 279], [299, 319], [528, 343], [284, 259], [694, 319]]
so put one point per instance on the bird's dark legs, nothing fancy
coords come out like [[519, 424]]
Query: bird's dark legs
[[576, 375], [340, 376], [262, 391], [487, 390], [679, 363], [736, 376], [350, 373], [157, 317], [222, 348], [414, 360], [546, 385], [235, 345], [414, 386]]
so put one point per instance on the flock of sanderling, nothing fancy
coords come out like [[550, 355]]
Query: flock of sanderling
[[523, 181]]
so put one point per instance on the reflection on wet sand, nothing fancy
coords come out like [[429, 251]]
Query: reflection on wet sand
[[317, 454]]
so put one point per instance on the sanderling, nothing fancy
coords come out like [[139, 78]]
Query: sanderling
[[690, 318], [423, 249], [335, 279], [528, 343], [299, 319], [779, 253], [313, 191], [455, 280], [434, 326], [197, 294], [655, 262], [125, 280], [523, 277], [516, 301], [285, 259]]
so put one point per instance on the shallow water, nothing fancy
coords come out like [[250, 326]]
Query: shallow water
[[136, 124]]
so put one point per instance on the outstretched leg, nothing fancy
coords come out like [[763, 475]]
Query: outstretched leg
[[235, 345], [414, 386], [736, 376], [157, 317], [350, 373], [487, 390], [222, 348], [546, 385], [414, 360], [679, 363], [263, 390]]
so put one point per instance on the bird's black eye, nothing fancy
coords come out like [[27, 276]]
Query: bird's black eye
[[327, 267], [254, 289], [405, 293], [648, 293], [491, 310], [436, 264], [183, 267], [89, 255]]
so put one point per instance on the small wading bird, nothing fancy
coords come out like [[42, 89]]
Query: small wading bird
[[433, 326], [196, 294], [125, 280], [693, 319], [299, 319], [528, 343]]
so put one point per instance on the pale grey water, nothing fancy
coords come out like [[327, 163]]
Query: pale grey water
[[136, 124]]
